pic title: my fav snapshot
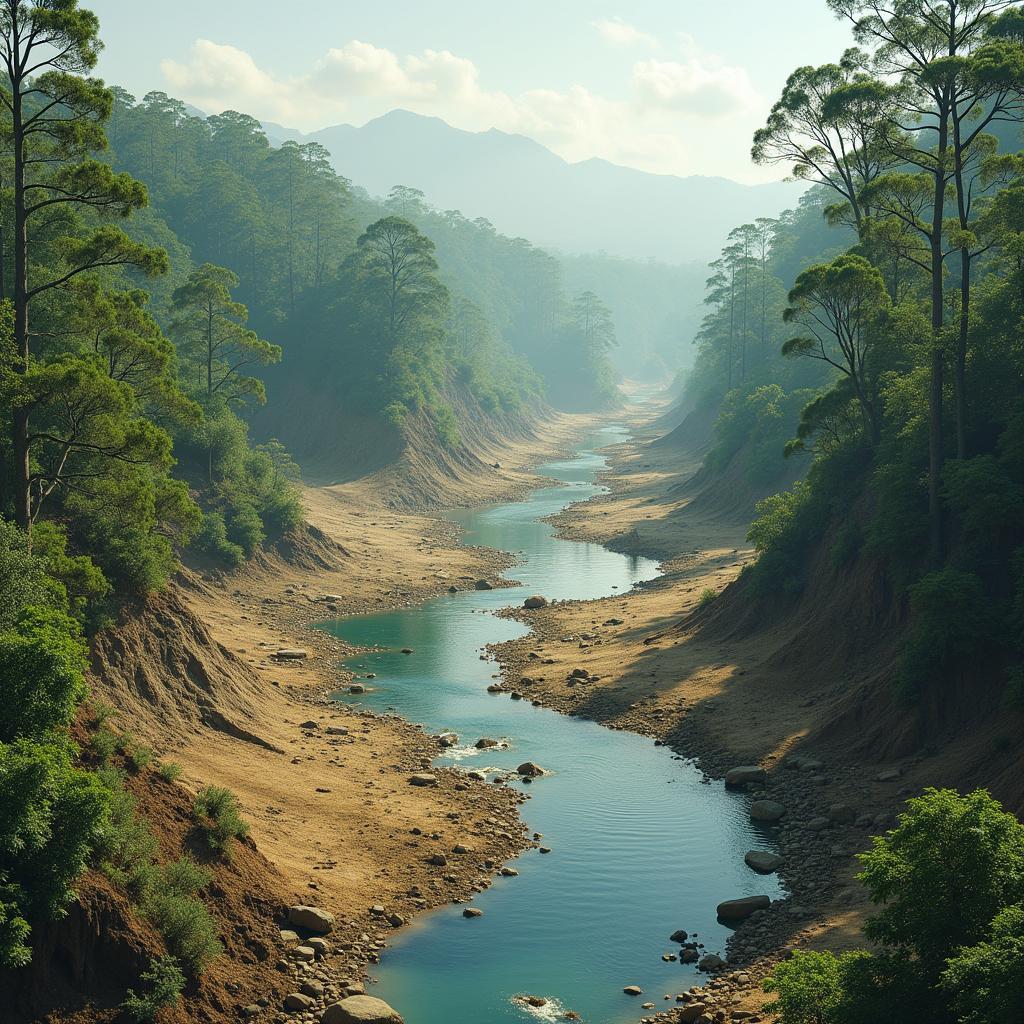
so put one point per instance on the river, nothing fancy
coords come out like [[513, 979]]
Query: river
[[640, 845]]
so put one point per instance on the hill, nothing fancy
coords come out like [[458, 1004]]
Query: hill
[[525, 189]]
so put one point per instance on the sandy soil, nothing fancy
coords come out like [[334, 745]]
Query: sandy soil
[[334, 812]]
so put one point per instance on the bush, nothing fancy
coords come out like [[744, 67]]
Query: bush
[[950, 617], [986, 981], [707, 596], [128, 848], [52, 817], [164, 982], [182, 919], [103, 744], [214, 543], [217, 812], [42, 666], [808, 988], [83, 580], [138, 755], [941, 876], [23, 578], [170, 771]]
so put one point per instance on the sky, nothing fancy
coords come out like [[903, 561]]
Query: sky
[[667, 86]]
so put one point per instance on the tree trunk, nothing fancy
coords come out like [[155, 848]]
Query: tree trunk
[[960, 367], [20, 424]]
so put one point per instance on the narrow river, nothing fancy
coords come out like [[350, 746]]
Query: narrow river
[[640, 847]]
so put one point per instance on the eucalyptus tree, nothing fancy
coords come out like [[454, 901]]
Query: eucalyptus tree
[[924, 50], [55, 125], [838, 305]]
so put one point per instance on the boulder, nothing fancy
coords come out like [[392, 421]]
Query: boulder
[[310, 725], [889, 775], [291, 654], [448, 739], [766, 810], [842, 814], [485, 742], [741, 909], [535, 601], [633, 990], [482, 585], [361, 1010], [296, 1001], [337, 730], [745, 773], [472, 912], [313, 919], [762, 861], [530, 769], [357, 688], [680, 935], [711, 962], [423, 779], [818, 824]]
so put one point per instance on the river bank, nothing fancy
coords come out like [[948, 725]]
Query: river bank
[[624, 662]]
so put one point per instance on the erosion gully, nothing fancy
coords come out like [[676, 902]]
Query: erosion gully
[[641, 844]]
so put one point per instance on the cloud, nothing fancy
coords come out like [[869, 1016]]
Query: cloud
[[664, 102], [621, 33]]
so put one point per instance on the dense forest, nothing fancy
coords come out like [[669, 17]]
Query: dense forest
[[874, 334]]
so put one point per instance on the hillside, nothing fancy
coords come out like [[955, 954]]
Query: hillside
[[526, 190]]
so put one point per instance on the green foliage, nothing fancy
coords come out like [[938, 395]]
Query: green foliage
[[83, 580], [23, 578], [163, 986], [184, 923], [951, 616], [213, 541], [707, 596], [941, 876], [52, 817], [822, 988], [219, 817], [42, 665], [986, 981], [169, 771]]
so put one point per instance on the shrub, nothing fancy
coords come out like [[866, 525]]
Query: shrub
[[138, 755], [214, 543], [707, 595], [170, 771], [950, 617], [42, 666], [808, 988], [128, 848], [182, 919], [164, 982], [52, 816], [941, 876], [102, 744], [217, 812], [23, 578], [986, 981]]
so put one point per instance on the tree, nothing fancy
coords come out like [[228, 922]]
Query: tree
[[828, 125], [941, 876], [838, 304], [212, 327], [56, 122]]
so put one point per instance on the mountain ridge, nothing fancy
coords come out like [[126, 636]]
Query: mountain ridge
[[527, 190]]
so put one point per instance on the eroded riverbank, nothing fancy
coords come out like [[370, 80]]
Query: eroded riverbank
[[642, 845]]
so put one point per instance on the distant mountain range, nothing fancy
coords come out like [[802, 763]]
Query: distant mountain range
[[526, 190]]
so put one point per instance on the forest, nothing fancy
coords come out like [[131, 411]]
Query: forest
[[221, 360]]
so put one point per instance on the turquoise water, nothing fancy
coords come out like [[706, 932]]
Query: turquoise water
[[640, 847]]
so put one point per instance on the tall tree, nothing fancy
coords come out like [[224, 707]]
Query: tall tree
[[56, 124]]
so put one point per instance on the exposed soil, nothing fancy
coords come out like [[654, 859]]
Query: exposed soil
[[335, 821]]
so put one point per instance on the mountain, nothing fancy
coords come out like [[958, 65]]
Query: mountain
[[525, 189]]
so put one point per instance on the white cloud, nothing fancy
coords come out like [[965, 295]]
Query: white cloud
[[665, 102], [621, 33]]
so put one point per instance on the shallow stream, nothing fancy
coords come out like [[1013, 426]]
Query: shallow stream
[[640, 846]]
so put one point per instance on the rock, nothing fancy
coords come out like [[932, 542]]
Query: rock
[[485, 743], [337, 730], [818, 824], [304, 953], [680, 935], [509, 873], [313, 919], [535, 601], [842, 814], [448, 739], [633, 990], [745, 773], [361, 1010], [889, 775], [537, 1001], [472, 912], [766, 810], [495, 688], [310, 725], [296, 1001], [290, 654], [423, 779], [289, 938], [711, 962], [407, 650], [741, 909], [312, 988], [762, 861], [357, 688], [482, 585], [319, 945], [251, 1011], [529, 768], [691, 1013], [439, 860], [689, 956]]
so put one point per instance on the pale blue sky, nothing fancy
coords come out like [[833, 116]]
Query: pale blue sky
[[674, 86]]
